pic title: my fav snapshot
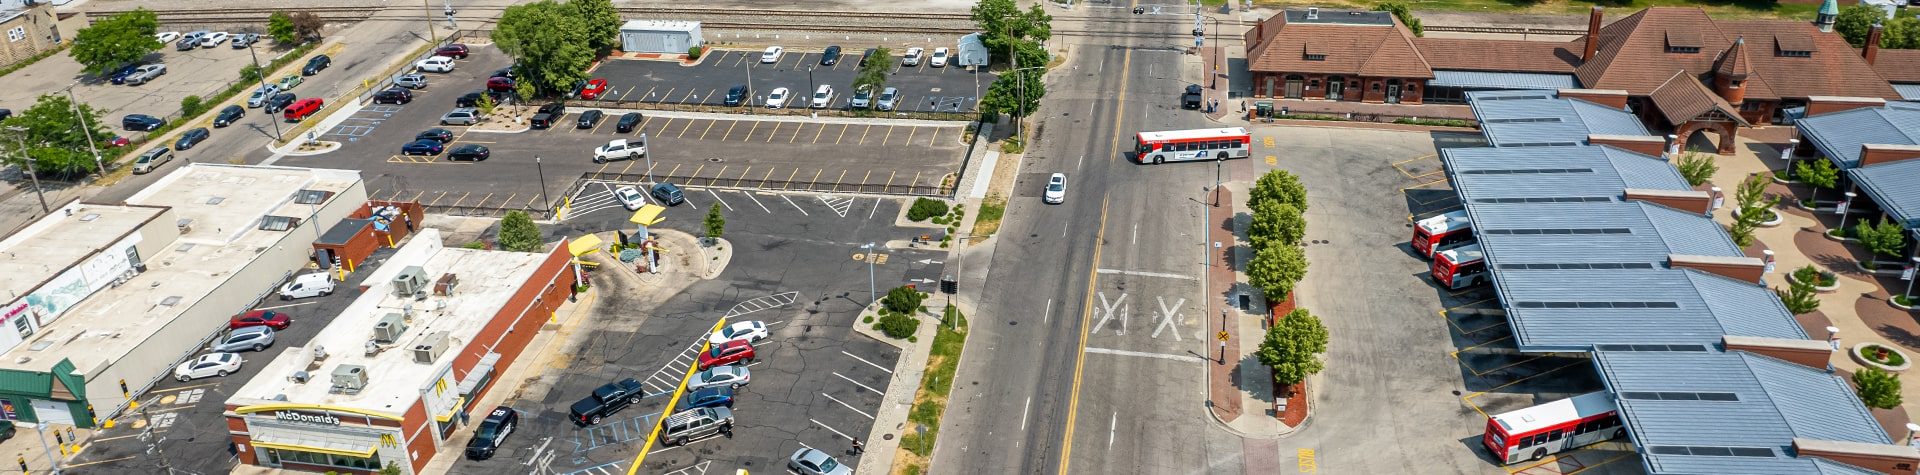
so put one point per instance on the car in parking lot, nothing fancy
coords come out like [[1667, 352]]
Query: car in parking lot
[[141, 122], [590, 118], [208, 365], [145, 74], [594, 89], [423, 147], [243, 339], [888, 98], [498, 84], [151, 160], [862, 97], [411, 81], [1056, 192], [685, 426], [492, 433], [725, 354], [314, 284], [315, 65], [452, 50], [461, 116], [300, 109], [629, 198], [732, 376], [772, 54], [605, 401], [939, 57], [720, 396], [119, 76], [830, 56], [620, 149], [472, 152], [510, 71], [913, 56], [470, 99], [435, 134], [628, 121], [214, 39], [290, 81], [279, 102], [190, 40], [864, 57], [243, 40], [749, 331], [823, 96], [191, 137], [393, 96], [228, 115], [436, 64], [167, 36], [261, 95], [5, 113], [548, 114], [668, 194], [808, 461], [261, 318], [778, 98], [735, 96]]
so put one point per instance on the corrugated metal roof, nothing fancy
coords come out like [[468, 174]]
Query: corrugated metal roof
[[1498, 80], [1777, 401], [1572, 310], [1909, 92], [1585, 172], [1569, 233], [1895, 187], [1839, 135], [1537, 118]]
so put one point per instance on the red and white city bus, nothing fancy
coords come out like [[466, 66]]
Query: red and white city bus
[[1439, 233], [1554, 427], [1460, 267], [1188, 145]]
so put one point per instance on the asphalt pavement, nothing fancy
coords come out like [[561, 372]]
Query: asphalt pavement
[[923, 88]]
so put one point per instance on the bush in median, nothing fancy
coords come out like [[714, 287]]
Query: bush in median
[[924, 208], [897, 325]]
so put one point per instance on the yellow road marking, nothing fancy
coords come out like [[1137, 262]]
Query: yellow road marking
[[643, 124], [644, 96], [416, 196], [1119, 114], [843, 133], [796, 133], [756, 126], [816, 134], [696, 171], [664, 97], [883, 140], [463, 198], [863, 179], [483, 200], [1080, 354], [436, 199], [816, 178], [623, 170], [654, 434], [703, 132], [676, 168], [838, 181], [663, 127], [936, 137], [863, 134], [743, 175], [910, 134], [776, 131], [730, 125], [717, 175], [510, 198], [689, 95], [533, 200], [603, 169], [683, 130], [763, 180], [889, 180]]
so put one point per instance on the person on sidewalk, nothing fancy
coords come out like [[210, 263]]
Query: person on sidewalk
[[857, 448]]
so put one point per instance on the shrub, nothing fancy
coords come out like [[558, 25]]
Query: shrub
[[924, 208], [694, 52], [1877, 388], [1812, 275], [903, 300], [1696, 168], [897, 326], [250, 72], [191, 106]]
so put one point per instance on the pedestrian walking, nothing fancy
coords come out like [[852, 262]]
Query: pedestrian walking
[[857, 448]]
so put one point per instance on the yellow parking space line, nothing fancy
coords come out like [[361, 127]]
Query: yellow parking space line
[[416, 196], [533, 200], [696, 172], [816, 178], [843, 133], [730, 125], [1415, 159], [623, 170], [756, 126], [683, 130], [1468, 399], [889, 136], [910, 134], [703, 132], [717, 175], [889, 180], [463, 198], [664, 97], [743, 175], [603, 169], [837, 181], [936, 136], [796, 172], [483, 200], [597, 125], [776, 131], [676, 168], [816, 134], [690, 93], [863, 134], [863, 179], [1476, 302], [1427, 174], [709, 94], [1422, 185], [763, 180], [643, 123], [916, 179], [664, 126], [436, 199], [796, 132], [1478, 372], [510, 198]]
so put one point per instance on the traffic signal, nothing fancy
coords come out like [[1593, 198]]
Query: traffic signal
[[948, 285]]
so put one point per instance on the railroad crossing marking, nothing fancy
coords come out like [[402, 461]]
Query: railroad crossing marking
[[1170, 313], [1107, 314]]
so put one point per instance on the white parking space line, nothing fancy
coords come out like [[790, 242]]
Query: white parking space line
[[1143, 354], [836, 431], [803, 211], [849, 406], [716, 197], [857, 383], [864, 360], [1023, 413], [763, 207], [876, 208]]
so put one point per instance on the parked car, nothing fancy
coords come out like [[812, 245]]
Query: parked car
[[620, 149], [721, 396], [548, 114], [461, 116], [749, 331], [145, 74], [5, 113], [150, 161], [435, 134], [501, 84], [590, 118], [190, 40], [279, 102], [300, 109], [510, 71], [118, 141], [208, 365], [119, 76], [726, 354], [492, 432], [830, 56], [411, 81], [808, 461], [913, 56], [393, 96], [261, 318], [470, 99], [167, 36], [888, 98], [291, 81], [141, 123], [862, 97], [422, 147], [772, 54], [243, 339], [685, 426], [732, 376], [315, 65], [778, 98], [191, 137], [735, 96], [939, 57], [1192, 98], [629, 198], [260, 96], [243, 40], [436, 64], [605, 401], [822, 96], [453, 50], [629, 121], [867, 55], [307, 285], [6, 430], [1056, 192], [472, 152], [668, 194], [228, 115], [215, 39], [594, 89]]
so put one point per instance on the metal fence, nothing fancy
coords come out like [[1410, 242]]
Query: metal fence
[[942, 185], [951, 110]]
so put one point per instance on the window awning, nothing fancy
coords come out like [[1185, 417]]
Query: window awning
[[1493, 80], [362, 449]]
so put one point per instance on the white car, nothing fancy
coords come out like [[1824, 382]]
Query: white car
[[307, 285], [823, 96], [940, 57], [630, 198], [1056, 189], [772, 54], [733, 376], [208, 365], [261, 95], [167, 36], [913, 56], [436, 64], [778, 98], [751, 331], [214, 39], [619, 149]]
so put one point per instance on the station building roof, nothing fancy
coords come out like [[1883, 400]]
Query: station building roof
[[1575, 309], [1895, 186], [1593, 235], [1533, 118], [1570, 173], [1839, 135]]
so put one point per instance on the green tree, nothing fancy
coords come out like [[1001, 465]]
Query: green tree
[[602, 24], [116, 40], [518, 233], [54, 137], [1697, 168], [903, 300], [1006, 94], [485, 104], [1293, 346], [1003, 25], [390, 469], [1279, 186], [1405, 15], [306, 26], [1902, 32], [1877, 388], [280, 27], [1275, 224], [715, 223], [549, 40], [1817, 172], [873, 74], [250, 73], [1275, 270], [1755, 207], [1885, 238], [1799, 297], [191, 106], [1854, 21]]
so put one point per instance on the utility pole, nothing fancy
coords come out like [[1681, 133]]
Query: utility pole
[[545, 201], [154, 446], [263, 86], [873, 294], [86, 130], [426, 11], [33, 175], [749, 97]]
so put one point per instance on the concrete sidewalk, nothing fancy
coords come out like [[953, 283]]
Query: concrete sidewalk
[[1240, 388]]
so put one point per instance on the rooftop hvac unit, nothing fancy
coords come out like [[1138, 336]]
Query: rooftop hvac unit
[[430, 347], [389, 328], [411, 282], [349, 379]]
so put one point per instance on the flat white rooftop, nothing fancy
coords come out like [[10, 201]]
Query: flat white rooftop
[[41, 251], [487, 279], [223, 205]]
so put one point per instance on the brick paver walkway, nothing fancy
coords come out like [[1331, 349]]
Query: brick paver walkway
[[1224, 387]]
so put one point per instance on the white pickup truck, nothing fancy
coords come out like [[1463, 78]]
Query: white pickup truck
[[620, 149]]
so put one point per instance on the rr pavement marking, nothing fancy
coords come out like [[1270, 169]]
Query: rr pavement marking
[[1170, 314], [1106, 315]]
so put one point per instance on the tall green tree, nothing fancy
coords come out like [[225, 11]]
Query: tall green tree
[[1405, 15], [280, 27], [518, 233], [602, 23], [1817, 172], [1003, 24], [1886, 238], [116, 40], [54, 136], [1279, 186], [1877, 388], [550, 42], [1799, 297], [873, 74], [1276, 269], [1017, 94], [1902, 32], [1855, 20], [1293, 346], [1696, 167], [715, 223], [1275, 224]]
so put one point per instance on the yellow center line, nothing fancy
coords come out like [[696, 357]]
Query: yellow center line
[[756, 126], [1080, 354], [683, 130], [1119, 113], [703, 132], [653, 434]]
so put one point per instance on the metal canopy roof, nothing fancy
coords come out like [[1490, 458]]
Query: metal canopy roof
[[1566, 173], [1590, 234], [1839, 135], [1573, 310], [1498, 80], [1539, 118], [1759, 405], [1909, 92], [1895, 187]]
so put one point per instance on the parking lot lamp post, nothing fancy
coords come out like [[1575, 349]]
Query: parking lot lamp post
[[1909, 293], [86, 130], [873, 294], [262, 77], [41, 428], [31, 174], [1217, 58], [810, 86], [543, 186], [748, 97]]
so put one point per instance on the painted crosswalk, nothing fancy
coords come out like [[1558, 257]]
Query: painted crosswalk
[[667, 378]]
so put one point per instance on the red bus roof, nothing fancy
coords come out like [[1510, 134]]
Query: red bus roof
[[1571, 409], [1195, 134]]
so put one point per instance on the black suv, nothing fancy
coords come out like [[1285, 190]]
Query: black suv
[[279, 102], [142, 122], [1192, 98], [492, 432], [736, 96], [628, 121], [315, 65], [830, 56], [393, 96], [229, 115], [550, 113], [590, 118]]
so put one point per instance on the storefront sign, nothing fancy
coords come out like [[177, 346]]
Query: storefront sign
[[323, 419]]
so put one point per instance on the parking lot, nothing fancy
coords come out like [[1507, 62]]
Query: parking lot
[[923, 88]]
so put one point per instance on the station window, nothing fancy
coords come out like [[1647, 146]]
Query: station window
[[335, 460]]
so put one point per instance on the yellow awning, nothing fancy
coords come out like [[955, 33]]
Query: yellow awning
[[457, 402], [648, 215], [320, 450], [584, 244]]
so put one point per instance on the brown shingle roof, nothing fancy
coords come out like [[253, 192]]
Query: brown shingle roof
[[1683, 97], [1498, 55], [1898, 65], [1633, 56], [1734, 62], [1352, 49]]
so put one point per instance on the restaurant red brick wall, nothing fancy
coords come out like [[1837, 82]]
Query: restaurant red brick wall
[[357, 248], [522, 316]]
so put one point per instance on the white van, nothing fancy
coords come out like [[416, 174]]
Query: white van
[[307, 285]]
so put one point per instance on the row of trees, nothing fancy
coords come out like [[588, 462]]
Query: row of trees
[[1900, 32], [555, 42], [1014, 38], [1293, 344]]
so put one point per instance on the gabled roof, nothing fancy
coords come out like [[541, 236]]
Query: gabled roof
[[1839, 135], [1898, 65], [1549, 174], [1363, 48], [1895, 187], [1683, 98], [1498, 55], [1611, 234], [1534, 118], [1633, 56], [1554, 310]]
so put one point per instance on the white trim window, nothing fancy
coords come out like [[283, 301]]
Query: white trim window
[[17, 33]]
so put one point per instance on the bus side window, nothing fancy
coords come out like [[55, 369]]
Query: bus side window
[[1526, 442], [1585, 427], [1555, 435]]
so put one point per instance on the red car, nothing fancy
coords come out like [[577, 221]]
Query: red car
[[500, 84], [737, 351], [594, 89], [455, 50], [261, 318]]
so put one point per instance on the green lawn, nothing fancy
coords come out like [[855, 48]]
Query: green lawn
[[1717, 8], [931, 400]]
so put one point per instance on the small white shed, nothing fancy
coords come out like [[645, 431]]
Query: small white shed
[[660, 36], [972, 52]]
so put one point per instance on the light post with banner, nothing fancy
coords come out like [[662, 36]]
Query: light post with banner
[[1907, 275]]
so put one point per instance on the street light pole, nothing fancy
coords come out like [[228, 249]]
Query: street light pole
[[873, 294], [1218, 57], [31, 173], [263, 86], [1217, 162], [86, 129], [545, 201], [41, 428], [749, 96]]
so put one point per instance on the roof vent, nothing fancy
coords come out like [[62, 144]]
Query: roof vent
[[1313, 13], [299, 377], [280, 397], [170, 301], [348, 379], [216, 200], [445, 285], [89, 217]]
